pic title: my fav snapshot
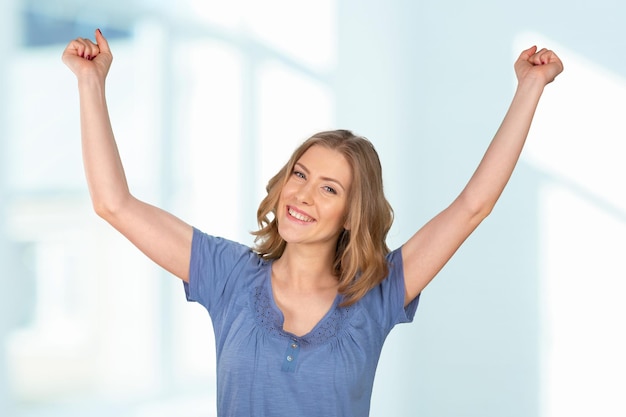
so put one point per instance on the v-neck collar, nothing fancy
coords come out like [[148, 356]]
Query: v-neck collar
[[273, 320]]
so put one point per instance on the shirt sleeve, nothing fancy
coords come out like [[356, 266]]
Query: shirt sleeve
[[386, 301], [213, 269]]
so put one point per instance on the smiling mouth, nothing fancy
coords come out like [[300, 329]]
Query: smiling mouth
[[297, 215]]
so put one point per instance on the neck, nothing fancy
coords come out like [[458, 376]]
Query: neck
[[305, 269]]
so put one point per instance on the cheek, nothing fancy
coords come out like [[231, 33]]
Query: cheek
[[287, 190], [340, 212], [283, 192]]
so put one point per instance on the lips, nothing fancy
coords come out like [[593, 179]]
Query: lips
[[298, 215]]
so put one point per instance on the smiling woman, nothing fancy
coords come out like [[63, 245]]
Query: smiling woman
[[361, 239], [307, 310]]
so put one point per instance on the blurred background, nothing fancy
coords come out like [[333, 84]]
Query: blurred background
[[208, 98]]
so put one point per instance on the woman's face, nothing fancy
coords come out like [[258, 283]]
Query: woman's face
[[313, 203]]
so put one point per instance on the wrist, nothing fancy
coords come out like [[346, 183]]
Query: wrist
[[90, 83], [531, 85]]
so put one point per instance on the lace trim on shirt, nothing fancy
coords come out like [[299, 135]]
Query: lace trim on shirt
[[267, 317]]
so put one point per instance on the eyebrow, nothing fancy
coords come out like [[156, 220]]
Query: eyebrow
[[306, 170]]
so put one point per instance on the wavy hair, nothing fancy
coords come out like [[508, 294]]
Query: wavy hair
[[359, 261]]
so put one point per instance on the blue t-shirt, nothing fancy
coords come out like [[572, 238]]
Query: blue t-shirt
[[263, 370]]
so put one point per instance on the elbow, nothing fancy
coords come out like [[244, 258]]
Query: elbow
[[482, 210], [483, 213], [107, 209], [477, 210], [102, 210]]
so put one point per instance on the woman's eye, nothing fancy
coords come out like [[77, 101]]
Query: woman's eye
[[299, 174], [330, 189]]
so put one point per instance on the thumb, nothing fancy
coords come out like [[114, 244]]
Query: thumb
[[525, 55], [103, 45]]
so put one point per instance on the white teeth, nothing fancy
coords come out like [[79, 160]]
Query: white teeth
[[300, 216]]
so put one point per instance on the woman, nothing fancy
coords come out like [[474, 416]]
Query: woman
[[300, 321]]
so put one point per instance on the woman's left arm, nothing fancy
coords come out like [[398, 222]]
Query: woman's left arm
[[428, 250]]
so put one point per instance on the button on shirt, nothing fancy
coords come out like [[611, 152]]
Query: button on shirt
[[263, 370]]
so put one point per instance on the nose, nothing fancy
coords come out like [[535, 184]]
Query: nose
[[304, 193]]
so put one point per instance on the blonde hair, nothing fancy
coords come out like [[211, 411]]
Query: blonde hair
[[359, 262]]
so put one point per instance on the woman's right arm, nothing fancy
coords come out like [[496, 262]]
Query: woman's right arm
[[161, 236]]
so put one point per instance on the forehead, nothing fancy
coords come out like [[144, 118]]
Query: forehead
[[327, 162]]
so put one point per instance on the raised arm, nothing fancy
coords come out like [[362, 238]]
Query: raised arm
[[426, 252], [163, 237]]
